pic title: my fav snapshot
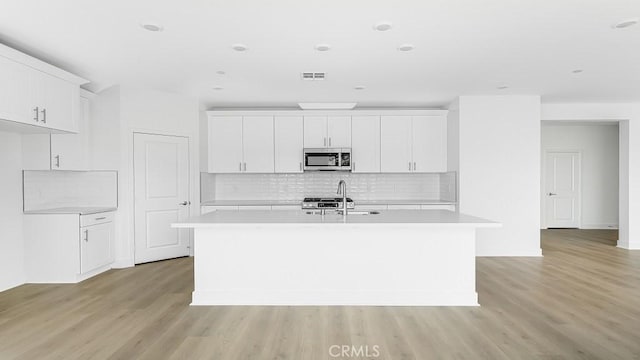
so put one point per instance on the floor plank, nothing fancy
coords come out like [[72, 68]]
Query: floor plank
[[580, 301]]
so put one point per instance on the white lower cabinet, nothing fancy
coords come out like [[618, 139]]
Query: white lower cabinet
[[68, 248]]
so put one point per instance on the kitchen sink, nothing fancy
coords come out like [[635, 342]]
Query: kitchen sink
[[318, 212]]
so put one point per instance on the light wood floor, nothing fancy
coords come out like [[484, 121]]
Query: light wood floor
[[581, 301]]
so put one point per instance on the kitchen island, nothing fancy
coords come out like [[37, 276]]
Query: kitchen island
[[395, 257]]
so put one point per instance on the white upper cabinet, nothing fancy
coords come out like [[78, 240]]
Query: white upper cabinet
[[288, 132], [315, 131], [429, 144], [339, 131], [241, 144], [257, 144], [395, 144], [57, 102], [327, 131], [365, 144], [225, 144], [60, 151], [413, 144], [14, 92], [37, 94]]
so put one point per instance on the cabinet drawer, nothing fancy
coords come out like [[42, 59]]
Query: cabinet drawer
[[94, 219]]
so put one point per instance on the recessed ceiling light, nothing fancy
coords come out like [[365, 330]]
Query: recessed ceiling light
[[239, 47], [220, 72], [502, 87], [383, 26], [218, 88], [152, 27], [406, 47], [323, 47], [577, 71], [359, 87], [626, 23]]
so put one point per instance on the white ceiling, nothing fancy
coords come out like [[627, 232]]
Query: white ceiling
[[462, 47]]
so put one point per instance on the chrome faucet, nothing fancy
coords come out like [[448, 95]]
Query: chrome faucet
[[342, 190]]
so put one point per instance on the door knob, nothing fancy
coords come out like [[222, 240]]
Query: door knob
[[552, 194], [185, 203]]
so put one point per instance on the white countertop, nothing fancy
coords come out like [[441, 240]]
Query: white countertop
[[298, 202], [72, 210], [300, 217]]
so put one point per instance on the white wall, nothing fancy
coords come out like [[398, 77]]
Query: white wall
[[499, 171], [628, 115], [598, 144], [11, 238]]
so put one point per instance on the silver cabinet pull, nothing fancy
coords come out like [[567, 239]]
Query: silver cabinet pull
[[325, 141], [354, 165], [329, 141], [240, 166], [409, 165], [86, 235], [57, 157], [100, 218], [36, 113], [300, 166], [44, 115], [185, 203], [244, 167], [552, 194], [414, 166]]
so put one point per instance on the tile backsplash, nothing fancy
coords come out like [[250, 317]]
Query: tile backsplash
[[56, 189], [432, 186]]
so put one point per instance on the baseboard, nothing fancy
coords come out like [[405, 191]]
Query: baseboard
[[629, 245], [11, 285], [123, 263], [532, 253], [333, 298], [599, 226]]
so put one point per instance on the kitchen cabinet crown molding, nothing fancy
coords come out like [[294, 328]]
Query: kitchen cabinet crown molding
[[364, 112], [37, 64]]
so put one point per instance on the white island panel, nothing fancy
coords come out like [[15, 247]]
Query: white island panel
[[350, 265], [395, 258]]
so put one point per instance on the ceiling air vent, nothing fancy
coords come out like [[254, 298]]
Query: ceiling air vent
[[313, 76]]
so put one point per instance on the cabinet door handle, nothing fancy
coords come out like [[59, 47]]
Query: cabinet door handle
[[354, 165], [409, 165], [44, 115], [86, 235], [329, 142], [100, 218], [244, 167], [300, 166], [57, 157], [37, 113], [325, 141], [240, 166], [414, 166]]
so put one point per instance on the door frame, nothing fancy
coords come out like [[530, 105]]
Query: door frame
[[195, 202], [543, 188]]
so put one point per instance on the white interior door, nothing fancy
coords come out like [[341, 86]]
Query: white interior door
[[562, 189], [161, 176]]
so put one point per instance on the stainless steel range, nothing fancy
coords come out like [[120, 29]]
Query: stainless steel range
[[326, 203]]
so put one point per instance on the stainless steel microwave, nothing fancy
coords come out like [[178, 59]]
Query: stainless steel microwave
[[334, 159]]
